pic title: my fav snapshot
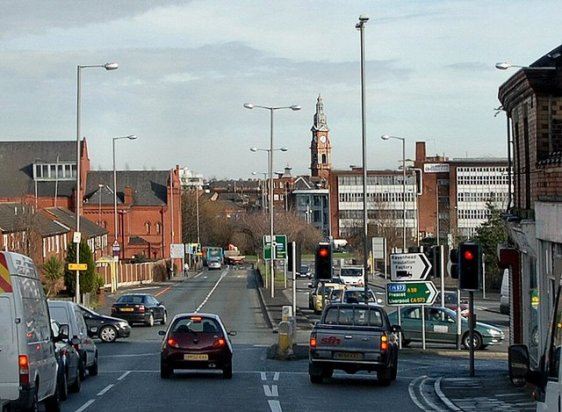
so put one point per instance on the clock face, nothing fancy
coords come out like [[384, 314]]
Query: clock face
[[323, 139]]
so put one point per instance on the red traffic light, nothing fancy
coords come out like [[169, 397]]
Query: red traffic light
[[323, 252], [468, 255]]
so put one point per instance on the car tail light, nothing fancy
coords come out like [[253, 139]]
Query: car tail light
[[140, 308], [113, 309], [23, 363], [384, 343], [312, 342], [219, 343], [173, 343]]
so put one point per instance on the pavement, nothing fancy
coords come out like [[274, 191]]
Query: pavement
[[489, 390]]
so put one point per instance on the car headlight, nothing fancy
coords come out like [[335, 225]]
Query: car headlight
[[123, 324], [495, 332]]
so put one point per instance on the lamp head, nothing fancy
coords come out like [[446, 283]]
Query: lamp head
[[503, 66], [111, 66], [283, 149], [249, 105], [132, 137], [363, 18], [295, 107], [253, 149], [385, 137]]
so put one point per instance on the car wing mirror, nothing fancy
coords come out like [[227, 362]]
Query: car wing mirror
[[162, 332], [396, 328], [75, 341], [64, 331], [232, 333]]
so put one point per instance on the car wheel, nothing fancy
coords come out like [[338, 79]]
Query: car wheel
[[384, 376], [476, 341], [316, 373], [108, 334], [150, 321], [227, 371], [75, 387], [164, 318], [63, 386], [165, 371], [93, 370]]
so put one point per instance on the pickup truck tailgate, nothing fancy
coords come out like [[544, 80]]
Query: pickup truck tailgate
[[338, 343]]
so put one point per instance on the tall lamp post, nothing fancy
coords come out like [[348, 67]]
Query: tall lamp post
[[270, 171], [361, 27], [115, 223], [386, 137], [107, 66]]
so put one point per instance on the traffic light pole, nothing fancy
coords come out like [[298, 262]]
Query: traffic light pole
[[471, 322]]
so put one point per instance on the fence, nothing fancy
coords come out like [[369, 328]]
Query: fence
[[128, 274]]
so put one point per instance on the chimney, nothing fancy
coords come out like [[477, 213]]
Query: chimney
[[128, 196]]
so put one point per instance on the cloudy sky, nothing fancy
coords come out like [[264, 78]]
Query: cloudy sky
[[187, 67]]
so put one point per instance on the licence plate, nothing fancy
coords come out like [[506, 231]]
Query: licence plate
[[348, 356], [196, 356], [127, 309]]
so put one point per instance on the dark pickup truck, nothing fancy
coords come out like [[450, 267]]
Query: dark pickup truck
[[353, 337]]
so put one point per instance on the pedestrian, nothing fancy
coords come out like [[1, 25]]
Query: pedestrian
[[185, 269]]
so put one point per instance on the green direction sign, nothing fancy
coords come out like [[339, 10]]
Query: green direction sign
[[410, 293], [280, 247]]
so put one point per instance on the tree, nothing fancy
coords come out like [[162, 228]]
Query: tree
[[490, 234], [89, 281], [54, 270]]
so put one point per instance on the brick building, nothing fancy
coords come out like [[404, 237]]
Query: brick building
[[532, 101]]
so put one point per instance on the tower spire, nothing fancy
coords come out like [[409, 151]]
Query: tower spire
[[320, 122]]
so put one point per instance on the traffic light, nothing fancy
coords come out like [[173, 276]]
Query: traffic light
[[454, 267], [323, 261], [470, 266]]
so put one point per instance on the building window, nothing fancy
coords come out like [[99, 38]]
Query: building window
[[158, 227], [147, 227]]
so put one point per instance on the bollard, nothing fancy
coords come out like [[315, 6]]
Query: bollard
[[285, 339]]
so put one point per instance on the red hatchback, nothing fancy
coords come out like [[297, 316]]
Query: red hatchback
[[196, 341]]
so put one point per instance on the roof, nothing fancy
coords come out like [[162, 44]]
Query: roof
[[16, 167], [149, 186], [68, 219], [16, 217]]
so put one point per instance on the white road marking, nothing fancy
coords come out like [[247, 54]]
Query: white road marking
[[120, 378], [271, 392], [276, 376], [412, 393], [275, 406], [211, 291], [263, 376], [104, 390], [86, 405], [130, 355]]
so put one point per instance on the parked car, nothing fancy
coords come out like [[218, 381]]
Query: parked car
[[107, 328], [69, 313], [441, 327], [452, 302], [321, 293], [140, 308], [304, 272], [196, 341], [28, 363], [68, 359]]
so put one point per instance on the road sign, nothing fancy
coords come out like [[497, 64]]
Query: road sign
[[177, 250], [409, 266], [410, 293], [77, 266], [280, 245]]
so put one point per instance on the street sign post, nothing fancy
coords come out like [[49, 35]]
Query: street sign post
[[410, 293], [280, 245], [409, 266]]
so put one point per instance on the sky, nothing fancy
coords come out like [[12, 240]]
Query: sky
[[186, 68]]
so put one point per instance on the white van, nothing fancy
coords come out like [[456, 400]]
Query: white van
[[69, 313], [28, 364], [351, 275]]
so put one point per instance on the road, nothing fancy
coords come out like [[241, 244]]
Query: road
[[129, 378]]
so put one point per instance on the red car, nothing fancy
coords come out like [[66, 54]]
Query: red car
[[196, 341]]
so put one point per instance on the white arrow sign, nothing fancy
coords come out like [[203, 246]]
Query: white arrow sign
[[409, 266]]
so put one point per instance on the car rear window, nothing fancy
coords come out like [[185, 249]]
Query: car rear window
[[195, 324], [130, 299], [354, 316]]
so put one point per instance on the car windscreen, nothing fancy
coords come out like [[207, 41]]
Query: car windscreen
[[195, 324], [351, 272]]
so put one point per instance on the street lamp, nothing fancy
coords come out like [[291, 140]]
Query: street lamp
[[107, 66], [361, 27], [115, 224], [506, 65], [270, 171], [387, 137]]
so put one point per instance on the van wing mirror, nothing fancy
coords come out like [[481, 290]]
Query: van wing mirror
[[64, 330]]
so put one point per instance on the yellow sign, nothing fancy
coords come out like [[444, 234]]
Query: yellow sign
[[77, 266]]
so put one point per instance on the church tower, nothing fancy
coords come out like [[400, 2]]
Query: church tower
[[320, 147]]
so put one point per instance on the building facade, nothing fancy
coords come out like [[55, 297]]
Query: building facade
[[532, 101]]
